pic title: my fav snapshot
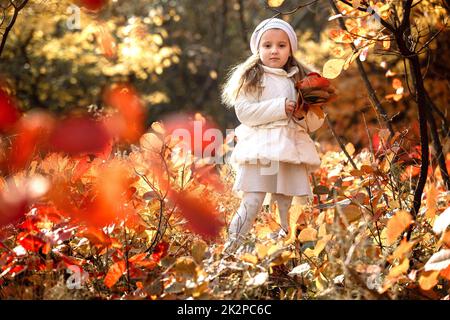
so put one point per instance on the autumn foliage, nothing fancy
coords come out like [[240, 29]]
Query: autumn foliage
[[100, 205]]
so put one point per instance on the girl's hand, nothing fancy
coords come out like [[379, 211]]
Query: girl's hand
[[289, 107], [292, 110]]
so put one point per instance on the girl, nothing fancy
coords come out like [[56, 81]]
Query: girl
[[274, 154]]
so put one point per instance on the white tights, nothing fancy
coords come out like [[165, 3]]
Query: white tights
[[250, 206]]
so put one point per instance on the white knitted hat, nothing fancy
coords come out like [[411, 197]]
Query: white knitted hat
[[272, 23]]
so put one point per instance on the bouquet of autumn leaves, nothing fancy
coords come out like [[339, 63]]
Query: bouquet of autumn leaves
[[312, 92]]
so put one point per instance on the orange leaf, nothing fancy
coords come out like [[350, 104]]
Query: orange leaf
[[431, 201], [428, 280], [114, 273], [445, 273], [308, 234], [403, 249], [317, 110], [397, 224], [200, 212]]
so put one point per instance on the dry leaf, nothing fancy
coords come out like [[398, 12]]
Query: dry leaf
[[397, 225], [438, 261], [274, 3], [333, 68], [432, 195], [428, 280], [114, 273], [294, 213], [151, 142], [198, 250], [402, 268], [158, 127], [403, 250], [308, 234], [248, 257], [442, 221], [300, 269], [258, 280]]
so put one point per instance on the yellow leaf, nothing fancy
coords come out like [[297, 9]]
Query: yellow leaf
[[248, 257], [261, 250], [151, 142], [320, 245], [321, 282], [333, 68], [282, 258], [403, 249], [322, 231], [185, 266], [158, 127], [308, 234], [198, 250], [294, 213], [275, 3], [402, 268], [350, 148], [428, 280], [397, 224]]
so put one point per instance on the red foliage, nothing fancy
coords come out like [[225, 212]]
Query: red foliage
[[9, 113], [199, 134], [160, 251], [200, 213], [92, 5], [14, 203], [76, 136], [106, 42], [108, 199], [128, 123], [29, 135], [30, 242], [114, 273], [207, 175], [313, 80]]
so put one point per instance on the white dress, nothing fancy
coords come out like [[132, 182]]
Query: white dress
[[273, 155]]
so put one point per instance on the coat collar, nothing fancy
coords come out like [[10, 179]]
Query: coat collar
[[281, 72]]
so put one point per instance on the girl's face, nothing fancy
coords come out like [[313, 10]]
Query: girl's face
[[274, 48]]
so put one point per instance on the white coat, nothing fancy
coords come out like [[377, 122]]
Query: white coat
[[265, 133]]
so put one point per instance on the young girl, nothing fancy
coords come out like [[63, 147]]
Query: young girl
[[274, 154]]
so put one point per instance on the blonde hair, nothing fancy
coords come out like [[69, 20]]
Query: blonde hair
[[247, 76]]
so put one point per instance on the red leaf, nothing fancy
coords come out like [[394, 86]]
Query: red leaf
[[128, 124], [114, 273], [106, 42], [9, 113], [13, 205], [92, 5], [200, 212], [79, 136], [160, 251], [30, 242], [207, 175], [30, 134], [313, 80], [199, 135]]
